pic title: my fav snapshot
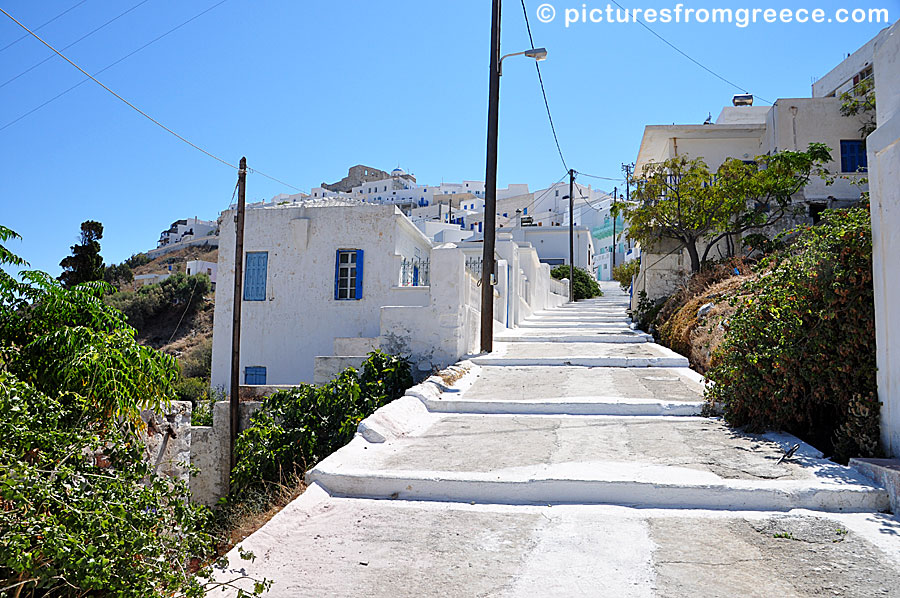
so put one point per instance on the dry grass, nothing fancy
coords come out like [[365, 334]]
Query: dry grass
[[161, 264], [683, 330], [451, 376], [238, 520]]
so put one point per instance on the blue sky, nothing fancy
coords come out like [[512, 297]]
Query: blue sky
[[306, 89]]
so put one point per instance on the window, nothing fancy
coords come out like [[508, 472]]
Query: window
[[348, 274], [815, 212], [853, 156], [255, 276], [254, 375]]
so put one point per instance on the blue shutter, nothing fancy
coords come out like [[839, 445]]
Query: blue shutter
[[359, 274], [255, 276], [337, 271], [254, 375]]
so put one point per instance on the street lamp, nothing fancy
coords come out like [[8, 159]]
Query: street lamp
[[539, 54], [490, 178]]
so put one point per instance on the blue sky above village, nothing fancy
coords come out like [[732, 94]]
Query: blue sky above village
[[306, 89]]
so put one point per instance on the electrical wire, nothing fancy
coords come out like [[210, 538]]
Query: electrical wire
[[41, 26], [123, 100], [135, 108], [602, 178], [535, 200], [109, 66], [537, 65], [83, 37], [641, 22]]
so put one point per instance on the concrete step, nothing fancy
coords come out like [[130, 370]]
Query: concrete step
[[579, 319], [570, 335], [582, 354], [621, 324], [321, 545], [682, 462], [571, 391], [589, 405]]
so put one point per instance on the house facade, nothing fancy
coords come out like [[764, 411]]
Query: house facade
[[745, 132], [313, 272]]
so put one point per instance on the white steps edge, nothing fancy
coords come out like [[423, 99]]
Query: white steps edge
[[748, 495], [565, 406]]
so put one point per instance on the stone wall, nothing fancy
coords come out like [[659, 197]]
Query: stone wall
[[356, 175], [209, 452]]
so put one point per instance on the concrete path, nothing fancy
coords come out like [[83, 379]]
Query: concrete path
[[572, 461]]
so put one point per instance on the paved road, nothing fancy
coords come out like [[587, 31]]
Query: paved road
[[572, 461]]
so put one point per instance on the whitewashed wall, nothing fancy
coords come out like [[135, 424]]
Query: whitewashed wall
[[300, 317], [884, 168]]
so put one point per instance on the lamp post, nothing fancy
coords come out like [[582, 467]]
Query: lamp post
[[490, 177]]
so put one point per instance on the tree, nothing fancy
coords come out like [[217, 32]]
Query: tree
[[681, 200], [85, 264], [860, 101], [118, 275]]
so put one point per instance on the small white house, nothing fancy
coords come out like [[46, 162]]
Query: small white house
[[201, 267], [313, 272], [327, 281]]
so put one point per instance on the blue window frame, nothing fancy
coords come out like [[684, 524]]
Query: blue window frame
[[254, 375], [348, 275], [853, 156], [255, 275]]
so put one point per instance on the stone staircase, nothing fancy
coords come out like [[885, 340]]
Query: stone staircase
[[572, 461]]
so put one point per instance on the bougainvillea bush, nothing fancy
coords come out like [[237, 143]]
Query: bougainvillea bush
[[799, 354]]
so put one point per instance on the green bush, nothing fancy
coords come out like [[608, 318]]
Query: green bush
[[178, 292], [296, 428], [625, 273], [82, 512], [585, 284], [197, 363], [799, 354]]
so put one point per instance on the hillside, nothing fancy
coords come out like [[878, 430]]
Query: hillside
[[173, 331], [177, 259]]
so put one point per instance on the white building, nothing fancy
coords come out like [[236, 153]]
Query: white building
[[743, 133], [184, 230], [202, 267], [327, 281]]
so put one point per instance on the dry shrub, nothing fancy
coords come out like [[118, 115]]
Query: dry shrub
[[678, 323]]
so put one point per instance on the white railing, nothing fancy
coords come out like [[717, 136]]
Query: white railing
[[559, 287]]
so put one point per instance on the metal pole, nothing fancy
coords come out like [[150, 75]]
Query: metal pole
[[490, 188], [571, 235], [235, 398]]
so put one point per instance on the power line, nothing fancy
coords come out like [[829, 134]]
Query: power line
[[129, 104], [535, 200], [86, 35], [109, 66], [683, 53], [602, 178], [537, 65], [41, 26], [123, 100]]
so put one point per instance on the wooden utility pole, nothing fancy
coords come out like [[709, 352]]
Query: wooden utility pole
[[235, 396], [572, 235], [490, 188]]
